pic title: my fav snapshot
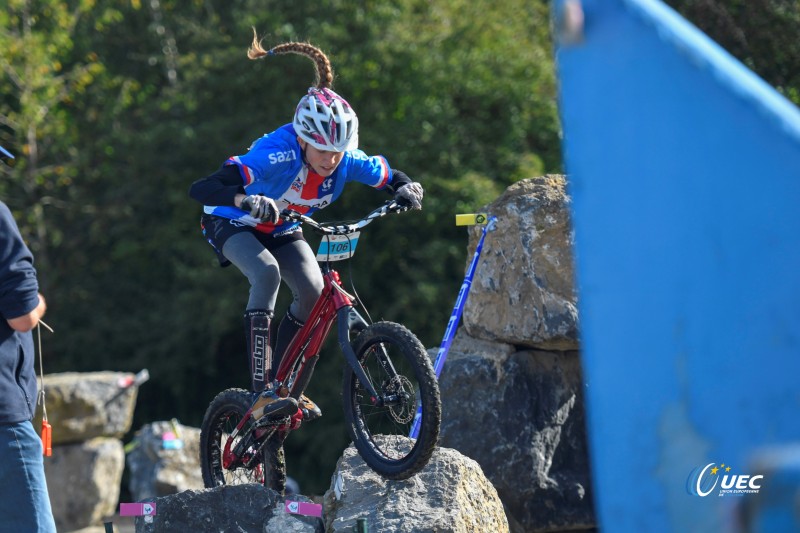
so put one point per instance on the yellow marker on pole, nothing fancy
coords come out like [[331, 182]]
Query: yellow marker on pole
[[472, 219]]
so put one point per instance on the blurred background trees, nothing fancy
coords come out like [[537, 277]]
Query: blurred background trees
[[114, 107]]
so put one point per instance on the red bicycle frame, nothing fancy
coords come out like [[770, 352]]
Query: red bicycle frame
[[333, 303]]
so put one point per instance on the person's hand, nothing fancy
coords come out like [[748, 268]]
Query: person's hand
[[261, 207], [28, 321], [410, 194], [41, 309]]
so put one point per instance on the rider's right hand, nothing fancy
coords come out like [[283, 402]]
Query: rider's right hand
[[261, 207]]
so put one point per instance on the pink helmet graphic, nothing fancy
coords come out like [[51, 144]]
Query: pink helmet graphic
[[326, 121]]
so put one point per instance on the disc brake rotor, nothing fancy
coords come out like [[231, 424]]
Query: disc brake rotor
[[402, 412]]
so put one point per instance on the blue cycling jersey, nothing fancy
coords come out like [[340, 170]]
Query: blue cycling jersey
[[274, 167]]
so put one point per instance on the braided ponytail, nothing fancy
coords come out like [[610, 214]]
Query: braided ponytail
[[324, 72]]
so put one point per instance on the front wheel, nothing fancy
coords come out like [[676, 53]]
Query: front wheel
[[399, 369], [256, 462]]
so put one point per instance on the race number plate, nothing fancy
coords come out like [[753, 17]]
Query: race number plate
[[337, 247]]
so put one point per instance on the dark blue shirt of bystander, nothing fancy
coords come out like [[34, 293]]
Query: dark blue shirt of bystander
[[19, 295]]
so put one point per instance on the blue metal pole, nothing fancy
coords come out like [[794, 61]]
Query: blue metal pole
[[455, 316]]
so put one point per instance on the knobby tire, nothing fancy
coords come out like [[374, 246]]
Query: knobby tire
[[380, 433]]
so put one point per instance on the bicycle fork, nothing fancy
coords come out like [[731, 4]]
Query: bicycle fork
[[349, 320]]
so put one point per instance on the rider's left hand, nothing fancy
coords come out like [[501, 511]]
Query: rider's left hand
[[410, 194]]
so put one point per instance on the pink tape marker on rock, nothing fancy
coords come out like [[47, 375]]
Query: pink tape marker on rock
[[137, 509], [303, 508]]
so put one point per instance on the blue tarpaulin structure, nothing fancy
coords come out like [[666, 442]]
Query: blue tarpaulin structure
[[684, 169]]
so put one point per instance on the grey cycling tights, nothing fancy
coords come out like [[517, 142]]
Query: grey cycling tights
[[294, 262]]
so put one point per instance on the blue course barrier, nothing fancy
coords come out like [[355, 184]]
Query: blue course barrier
[[684, 168]]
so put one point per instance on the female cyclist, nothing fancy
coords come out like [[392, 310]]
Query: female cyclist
[[302, 166]]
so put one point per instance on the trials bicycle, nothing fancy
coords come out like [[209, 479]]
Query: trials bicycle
[[388, 378]]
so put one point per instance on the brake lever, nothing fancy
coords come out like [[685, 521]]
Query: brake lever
[[288, 214], [396, 207]]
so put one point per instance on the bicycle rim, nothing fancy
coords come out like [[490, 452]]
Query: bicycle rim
[[398, 368], [222, 417]]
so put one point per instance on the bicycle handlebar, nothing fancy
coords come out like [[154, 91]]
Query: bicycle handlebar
[[338, 228]]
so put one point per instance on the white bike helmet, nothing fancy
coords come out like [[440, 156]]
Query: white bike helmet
[[326, 121]]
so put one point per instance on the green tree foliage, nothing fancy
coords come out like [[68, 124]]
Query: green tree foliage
[[145, 97], [40, 79]]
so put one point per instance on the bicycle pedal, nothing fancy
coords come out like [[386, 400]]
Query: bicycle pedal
[[275, 408], [310, 410], [310, 414]]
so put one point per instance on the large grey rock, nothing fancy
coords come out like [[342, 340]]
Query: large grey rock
[[160, 465], [83, 481], [523, 291], [450, 495], [520, 415], [242, 508], [81, 406]]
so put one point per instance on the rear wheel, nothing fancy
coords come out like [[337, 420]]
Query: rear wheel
[[255, 463], [399, 369]]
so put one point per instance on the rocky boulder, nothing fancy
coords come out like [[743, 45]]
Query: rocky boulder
[[81, 406], [450, 495], [83, 481], [520, 415], [242, 508], [523, 292], [165, 459], [512, 389]]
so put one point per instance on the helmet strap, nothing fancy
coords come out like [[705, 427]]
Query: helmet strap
[[303, 145]]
